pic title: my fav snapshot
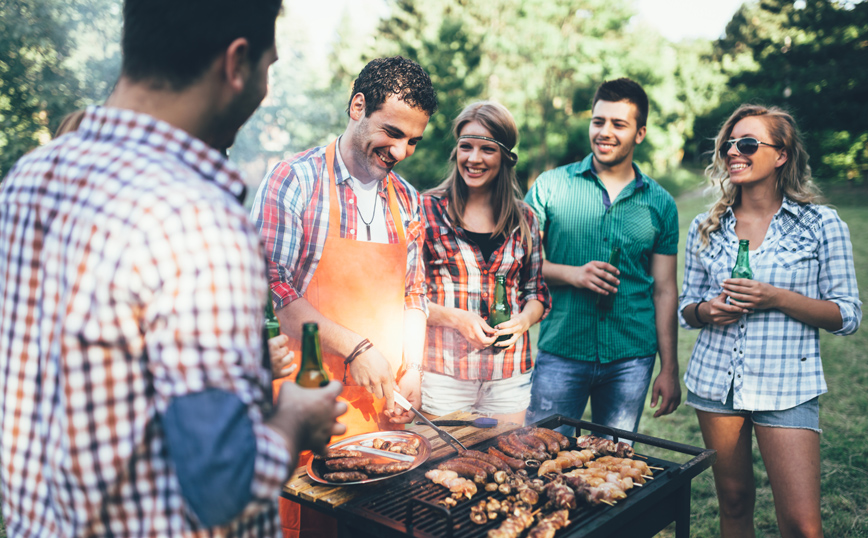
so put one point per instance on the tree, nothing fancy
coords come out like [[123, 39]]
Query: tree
[[810, 58]]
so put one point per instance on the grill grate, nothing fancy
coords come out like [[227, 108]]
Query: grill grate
[[409, 506]]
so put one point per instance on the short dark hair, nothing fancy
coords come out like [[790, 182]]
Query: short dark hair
[[395, 76], [174, 41], [624, 89]]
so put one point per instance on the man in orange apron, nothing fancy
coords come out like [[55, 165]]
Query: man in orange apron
[[344, 238]]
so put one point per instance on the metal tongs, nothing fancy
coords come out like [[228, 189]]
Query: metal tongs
[[451, 441]]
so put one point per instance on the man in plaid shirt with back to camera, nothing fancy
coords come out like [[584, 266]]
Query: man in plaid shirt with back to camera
[[134, 398]]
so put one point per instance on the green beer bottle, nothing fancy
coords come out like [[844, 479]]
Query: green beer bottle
[[742, 263], [272, 326], [605, 302], [311, 375], [499, 311]]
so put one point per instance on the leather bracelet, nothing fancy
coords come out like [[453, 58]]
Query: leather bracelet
[[360, 348], [696, 314]]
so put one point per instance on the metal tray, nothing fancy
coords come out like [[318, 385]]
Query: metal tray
[[316, 468]]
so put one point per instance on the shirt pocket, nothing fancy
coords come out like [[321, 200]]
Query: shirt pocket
[[796, 252], [796, 264]]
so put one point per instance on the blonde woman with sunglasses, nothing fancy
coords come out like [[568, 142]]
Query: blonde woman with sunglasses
[[756, 364]]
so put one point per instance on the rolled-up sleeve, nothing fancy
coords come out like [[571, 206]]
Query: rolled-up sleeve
[[837, 276], [278, 216], [696, 280]]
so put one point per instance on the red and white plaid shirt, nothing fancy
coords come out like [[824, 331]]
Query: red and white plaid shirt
[[458, 277], [130, 275], [291, 211]]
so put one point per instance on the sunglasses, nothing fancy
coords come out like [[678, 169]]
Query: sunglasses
[[745, 146]]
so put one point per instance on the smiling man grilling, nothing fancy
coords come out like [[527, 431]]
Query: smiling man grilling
[[344, 239]]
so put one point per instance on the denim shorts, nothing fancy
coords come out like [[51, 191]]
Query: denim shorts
[[444, 394], [805, 416]]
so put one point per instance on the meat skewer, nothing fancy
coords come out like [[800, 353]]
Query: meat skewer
[[549, 525], [605, 447]]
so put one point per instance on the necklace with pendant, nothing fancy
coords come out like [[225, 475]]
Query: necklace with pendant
[[373, 212]]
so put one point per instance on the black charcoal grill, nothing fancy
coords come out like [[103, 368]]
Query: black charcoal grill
[[408, 504]]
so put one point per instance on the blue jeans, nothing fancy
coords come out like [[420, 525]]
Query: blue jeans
[[617, 390]]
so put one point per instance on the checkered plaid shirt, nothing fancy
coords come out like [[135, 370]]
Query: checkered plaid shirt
[[459, 277], [771, 360], [130, 276], [291, 211]]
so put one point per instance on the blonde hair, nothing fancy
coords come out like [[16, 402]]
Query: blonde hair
[[793, 177], [506, 196]]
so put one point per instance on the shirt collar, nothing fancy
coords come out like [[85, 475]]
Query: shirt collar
[[120, 126], [585, 168], [342, 173]]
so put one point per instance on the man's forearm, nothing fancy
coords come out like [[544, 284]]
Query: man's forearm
[[666, 322], [556, 274], [335, 338]]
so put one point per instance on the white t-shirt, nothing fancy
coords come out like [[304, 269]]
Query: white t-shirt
[[371, 209]]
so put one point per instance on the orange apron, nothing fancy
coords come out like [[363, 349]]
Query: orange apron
[[360, 286]]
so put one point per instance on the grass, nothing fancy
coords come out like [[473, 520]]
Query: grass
[[843, 410]]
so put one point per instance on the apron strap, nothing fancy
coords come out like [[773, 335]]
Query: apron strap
[[334, 202]]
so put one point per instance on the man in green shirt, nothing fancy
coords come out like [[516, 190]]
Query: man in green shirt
[[585, 209]]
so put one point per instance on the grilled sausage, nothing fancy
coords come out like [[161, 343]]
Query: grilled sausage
[[550, 441], [484, 465], [514, 464], [465, 469], [487, 458], [562, 439], [335, 454], [530, 452], [347, 464], [387, 468], [505, 445], [348, 476], [533, 442]]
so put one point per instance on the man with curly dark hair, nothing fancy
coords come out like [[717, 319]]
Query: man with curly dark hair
[[344, 238]]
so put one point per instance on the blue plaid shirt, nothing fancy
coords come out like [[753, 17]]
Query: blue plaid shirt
[[771, 360]]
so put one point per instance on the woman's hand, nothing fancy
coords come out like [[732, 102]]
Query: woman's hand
[[281, 356], [515, 327], [718, 312], [751, 294], [518, 325], [473, 328]]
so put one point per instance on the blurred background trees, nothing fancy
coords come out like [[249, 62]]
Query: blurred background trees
[[543, 59]]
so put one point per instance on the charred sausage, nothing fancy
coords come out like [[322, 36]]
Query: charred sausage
[[465, 469], [505, 446], [530, 452], [550, 441], [347, 464], [387, 468], [488, 458], [484, 465], [514, 463], [345, 476], [335, 454]]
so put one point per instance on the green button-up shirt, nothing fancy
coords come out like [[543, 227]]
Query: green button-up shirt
[[579, 226]]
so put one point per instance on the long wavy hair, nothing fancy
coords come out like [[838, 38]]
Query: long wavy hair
[[506, 193], [793, 177]]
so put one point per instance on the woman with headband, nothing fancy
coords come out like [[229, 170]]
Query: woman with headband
[[477, 228], [756, 368]]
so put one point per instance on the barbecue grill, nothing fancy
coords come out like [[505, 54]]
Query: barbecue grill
[[407, 505]]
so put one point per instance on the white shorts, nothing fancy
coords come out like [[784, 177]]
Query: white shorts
[[443, 394]]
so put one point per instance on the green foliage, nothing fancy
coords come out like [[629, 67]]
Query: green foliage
[[810, 58], [42, 76], [543, 59]]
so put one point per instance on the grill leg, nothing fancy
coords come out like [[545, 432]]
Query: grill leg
[[682, 511]]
